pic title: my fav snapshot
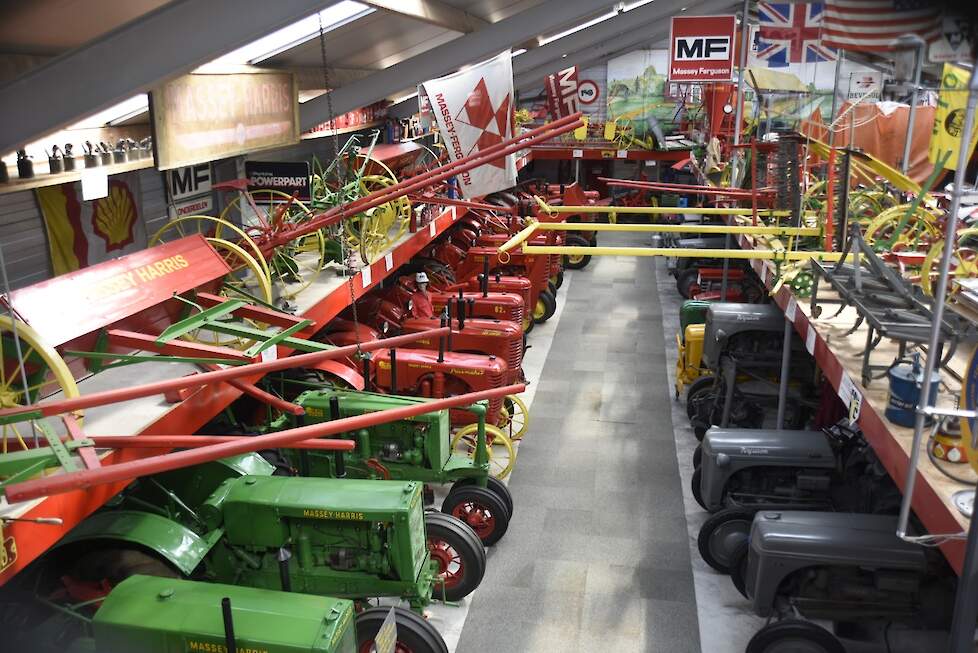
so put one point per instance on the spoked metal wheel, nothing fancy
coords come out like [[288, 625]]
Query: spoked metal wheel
[[457, 550], [482, 509], [514, 419], [502, 456]]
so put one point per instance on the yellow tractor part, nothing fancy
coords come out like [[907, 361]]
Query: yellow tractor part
[[690, 359], [502, 456]]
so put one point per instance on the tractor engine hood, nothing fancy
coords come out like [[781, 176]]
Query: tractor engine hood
[[769, 447]]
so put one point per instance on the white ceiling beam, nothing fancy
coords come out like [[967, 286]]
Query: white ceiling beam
[[433, 13], [471, 48], [156, 47]]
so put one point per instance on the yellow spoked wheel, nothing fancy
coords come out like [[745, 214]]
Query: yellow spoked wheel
[[295, 265], [964, 260], [376, 230], [502, 456], [514, 418], [920, 232], [47, 375], [212, 227]]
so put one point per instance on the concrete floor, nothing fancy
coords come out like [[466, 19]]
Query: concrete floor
[[597, 556]]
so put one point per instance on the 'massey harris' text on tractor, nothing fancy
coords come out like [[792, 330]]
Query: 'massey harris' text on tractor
[[234, 522]]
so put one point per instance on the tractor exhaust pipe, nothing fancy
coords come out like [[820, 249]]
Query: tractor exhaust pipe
[[441, 341], [284, 555], [460, 309], [393, 355], [485, 277], [229, 640], [334, 414], [365, 360]]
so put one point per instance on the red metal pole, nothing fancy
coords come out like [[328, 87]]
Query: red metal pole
[[194, 441], [465, 204], [61, 483], [48, 409], [255, 392]]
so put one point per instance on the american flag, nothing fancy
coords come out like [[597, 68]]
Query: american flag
[[790, 33], [873, 25]]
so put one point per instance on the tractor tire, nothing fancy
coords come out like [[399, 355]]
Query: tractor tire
[[738, 567], [559, 281], [413, 632], [117, 563], [552, 288], [694, 486], [696, 388], [792, 635], [687, 282], [482, 509], [577, 262], [720, 535], [494, 485], [460, 555], [697, 456], [545, 308]]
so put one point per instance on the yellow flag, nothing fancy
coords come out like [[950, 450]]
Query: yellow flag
[[62, 234], [949, 117]]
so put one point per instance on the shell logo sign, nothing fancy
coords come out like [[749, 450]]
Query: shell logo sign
[[114, 216]]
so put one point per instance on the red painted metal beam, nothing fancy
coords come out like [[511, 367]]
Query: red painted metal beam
[[254, 391], [465, 204], [145, 342], [194, 441], [252, 312], [61, 483], [303, 360]]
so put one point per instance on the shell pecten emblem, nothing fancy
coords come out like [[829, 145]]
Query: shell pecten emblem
[[114, 216]]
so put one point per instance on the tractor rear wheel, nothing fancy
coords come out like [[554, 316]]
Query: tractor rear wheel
[[482, 509], [738, 567], [720, 535], [697, 388], [494, 485], [695, 487], [697, 456], [545, 308], [414, 634], [459, 553], [794, 636], [577, 261]]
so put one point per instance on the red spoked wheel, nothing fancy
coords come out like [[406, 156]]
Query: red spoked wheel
[[480, 509], [414, 634], [458, 554]]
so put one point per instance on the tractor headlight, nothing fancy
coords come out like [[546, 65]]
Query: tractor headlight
[[410, 304], [385, 327]]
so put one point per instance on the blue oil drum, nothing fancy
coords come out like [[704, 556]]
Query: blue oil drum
[[906, 380]]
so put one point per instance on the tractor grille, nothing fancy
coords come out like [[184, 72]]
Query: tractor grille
[[494, 379], [514, 357], [518, 314]]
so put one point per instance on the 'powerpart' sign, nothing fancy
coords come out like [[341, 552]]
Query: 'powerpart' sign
[[701, 48], [287, 177], [562, 92]]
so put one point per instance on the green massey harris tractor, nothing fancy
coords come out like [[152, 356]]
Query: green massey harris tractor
[[418, 449], [233, 522]]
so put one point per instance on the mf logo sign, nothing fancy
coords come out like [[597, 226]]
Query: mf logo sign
[[702, 48], [562, 92], [189, 181]]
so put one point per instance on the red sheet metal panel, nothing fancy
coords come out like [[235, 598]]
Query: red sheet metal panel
[[77, 303]]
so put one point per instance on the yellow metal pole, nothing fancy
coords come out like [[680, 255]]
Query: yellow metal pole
[[656, 210], [520, 237], [766, 254], [684, 229]]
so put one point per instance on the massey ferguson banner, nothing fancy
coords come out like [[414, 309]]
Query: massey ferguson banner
[[701, 48], [562, 93], [474, 111]]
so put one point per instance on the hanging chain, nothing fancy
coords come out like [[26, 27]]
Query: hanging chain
[[341, 182]]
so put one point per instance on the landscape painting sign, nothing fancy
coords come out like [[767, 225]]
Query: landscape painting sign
[[701, 48]]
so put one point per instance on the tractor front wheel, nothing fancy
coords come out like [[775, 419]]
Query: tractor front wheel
[[482, 509], [414, 634], [577, 261], [794, 636], [514, 419], [459, 553], [695, 487], [721, 534], [545, 307], [696, 389], [494, 485], [738, 567]]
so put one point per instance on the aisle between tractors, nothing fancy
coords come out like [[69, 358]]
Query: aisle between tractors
[[417, 449], [233, 521]]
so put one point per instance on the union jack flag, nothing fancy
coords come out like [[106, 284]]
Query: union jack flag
[[791, 33]]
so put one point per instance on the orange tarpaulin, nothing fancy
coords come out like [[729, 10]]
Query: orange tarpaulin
[[882, 134]]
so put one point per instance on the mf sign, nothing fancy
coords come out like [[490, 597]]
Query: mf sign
[[562, 92], [701, 48]]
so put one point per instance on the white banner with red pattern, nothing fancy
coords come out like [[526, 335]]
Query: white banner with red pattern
[[474, 111]]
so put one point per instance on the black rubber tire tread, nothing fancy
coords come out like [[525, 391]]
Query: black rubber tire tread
[[738, 567], [464, 540], [412, 630], [487, 498], [697, 456], [709, 527], [574, 240], [697, 386], [117, 563], [685, 280], [560, 277], [550, 304], [694, 486], [552, 288], [494, 485], [768, 636]]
